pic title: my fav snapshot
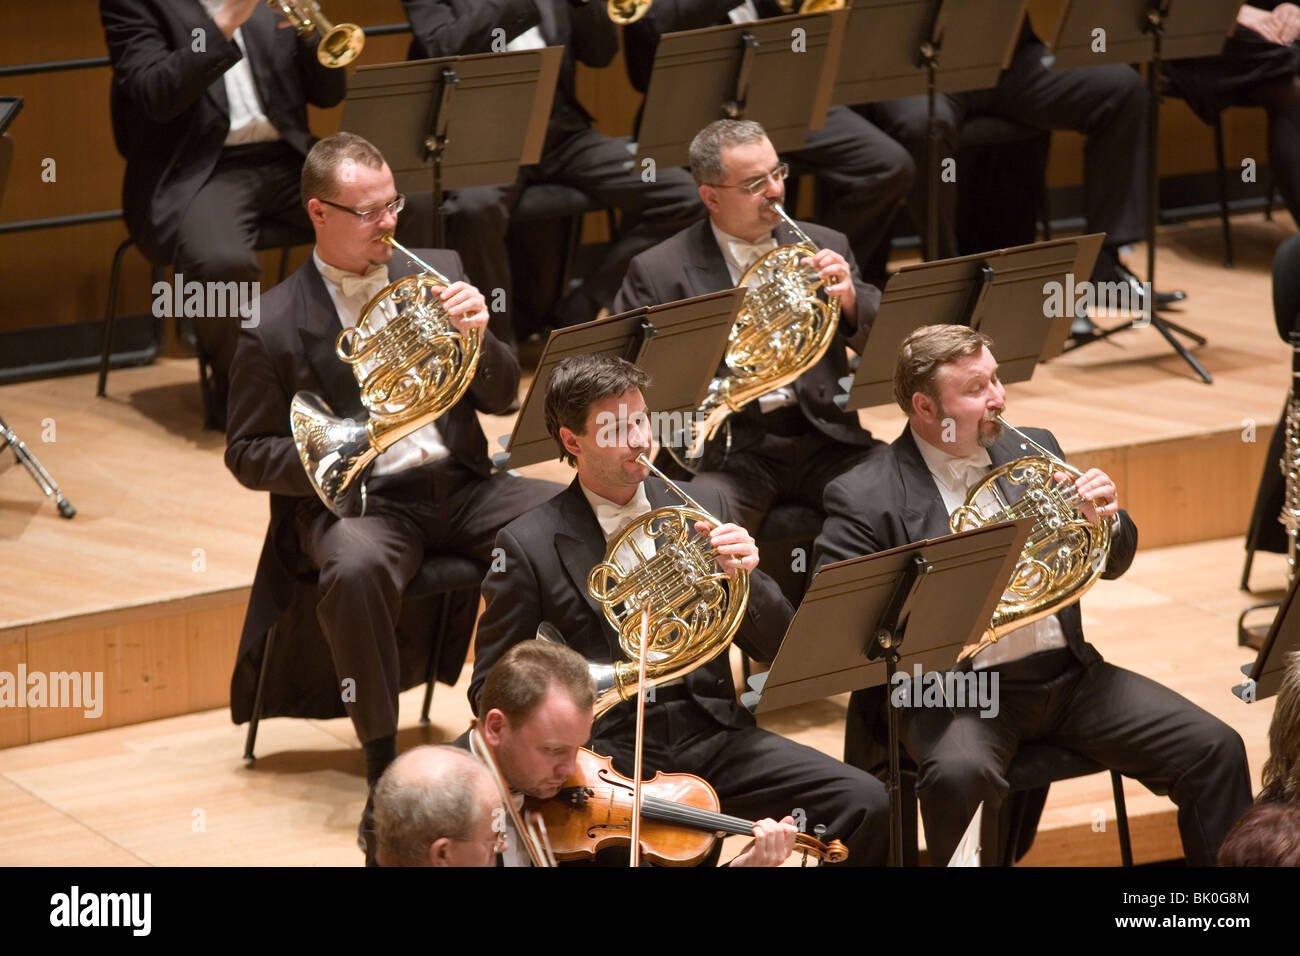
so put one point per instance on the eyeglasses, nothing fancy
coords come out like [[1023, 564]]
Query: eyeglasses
[[372, 215], [756, 186]]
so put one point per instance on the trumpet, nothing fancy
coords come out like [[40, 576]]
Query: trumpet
[[809, 6], [339, 45], [624, 12]]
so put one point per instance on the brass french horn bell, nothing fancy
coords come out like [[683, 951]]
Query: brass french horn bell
[[411, 365], [1065, 553], [339, 45]]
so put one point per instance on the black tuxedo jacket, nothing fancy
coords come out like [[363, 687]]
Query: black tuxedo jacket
[[291, 349], [548, 554], [690, 264], [461, 27], [891, 500], [170, 113]]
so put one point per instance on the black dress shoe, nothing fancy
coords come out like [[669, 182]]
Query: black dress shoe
[[1163, 299], [1083, 330]]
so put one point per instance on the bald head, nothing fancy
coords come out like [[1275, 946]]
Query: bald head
[[436, 806]]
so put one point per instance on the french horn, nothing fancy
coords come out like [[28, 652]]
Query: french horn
[[1065, 553], [695, 606], [783, 329], [411, 366]]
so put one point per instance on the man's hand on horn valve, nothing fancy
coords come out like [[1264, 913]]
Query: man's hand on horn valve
[[465, 306], [1099, 498], [736, 549], [837, 277]]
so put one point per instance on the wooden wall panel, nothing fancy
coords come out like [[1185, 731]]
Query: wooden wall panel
[[13, 721]]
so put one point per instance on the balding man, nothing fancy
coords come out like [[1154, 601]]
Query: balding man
[[438, 806]]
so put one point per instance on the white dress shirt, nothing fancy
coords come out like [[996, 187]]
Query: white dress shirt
[[248, 123], [613, 518], [954, 476], [419, 447], [739, 255]]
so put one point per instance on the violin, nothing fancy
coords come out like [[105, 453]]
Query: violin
[[679, 817]]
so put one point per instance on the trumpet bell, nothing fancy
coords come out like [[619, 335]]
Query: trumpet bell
[[341, 46]]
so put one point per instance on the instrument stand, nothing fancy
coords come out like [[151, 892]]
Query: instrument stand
[[1138, 30], [1264, 674], [991, 292], [884, 644], [679, 344], [919, 605], [754, 70], [456, 122], [881, 68], [34, 468]]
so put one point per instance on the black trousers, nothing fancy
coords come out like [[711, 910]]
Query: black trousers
[[218, 234], [1118, 718], [759, 774], [863, 175], [781, 468], [365, 564], [1107, 104], [654, 206]]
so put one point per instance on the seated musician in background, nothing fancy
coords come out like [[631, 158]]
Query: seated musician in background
[[433, 490], [574, 154], [862, 173], [535, 713], [1107, 103], [596, 414], [1054, 687], [789, 443], [209, 104], [437, 806]]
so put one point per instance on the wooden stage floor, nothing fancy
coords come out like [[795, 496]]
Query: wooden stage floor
[[162, 524]]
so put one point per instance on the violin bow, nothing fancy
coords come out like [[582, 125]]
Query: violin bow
[[635, 859]]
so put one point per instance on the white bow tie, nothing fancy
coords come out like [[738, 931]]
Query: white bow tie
[[614, 518], [747, 253], [965, 472], [351, 284]]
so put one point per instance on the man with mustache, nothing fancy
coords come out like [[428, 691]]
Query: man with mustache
[[434, 490], [1054, 687], [790, 443]]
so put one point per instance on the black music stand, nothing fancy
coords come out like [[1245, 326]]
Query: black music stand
[[1264, 674], [1148, 31], [679, 344], [904, 48], [456, 121], [992, 292], [9, 108], [914, 606], [741, 71]]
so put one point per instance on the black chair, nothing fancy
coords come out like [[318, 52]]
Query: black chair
[[1002, 165], [1008, 830], [438, 579], [272, 235], [547, 218], [1266, 532]]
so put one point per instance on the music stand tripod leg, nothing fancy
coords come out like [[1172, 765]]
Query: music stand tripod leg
[[34, 468]]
